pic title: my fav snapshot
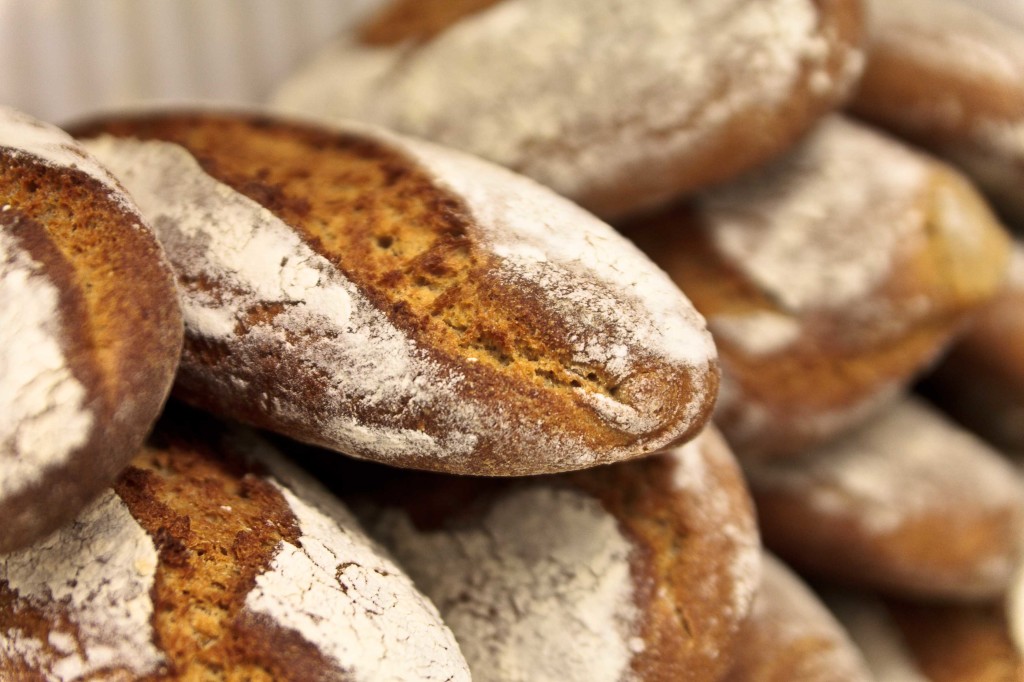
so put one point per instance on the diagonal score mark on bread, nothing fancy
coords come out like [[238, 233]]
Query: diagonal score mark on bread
[[516, 335]]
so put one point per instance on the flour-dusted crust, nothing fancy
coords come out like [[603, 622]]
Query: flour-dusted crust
[[908, 503], [404, 303], [792, 637], [828, 287], [950, 76], [641, 571], [201, 564], [617, 105], [90, 328]]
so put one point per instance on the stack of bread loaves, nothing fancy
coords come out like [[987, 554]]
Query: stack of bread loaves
[[502, 405]]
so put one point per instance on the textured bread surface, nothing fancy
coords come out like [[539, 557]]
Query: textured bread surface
[[424, 327], [686, 574], [618, 106], [792, 637], [827, 289], [220, 532], [908, 504], [115, 318], [950, 77]]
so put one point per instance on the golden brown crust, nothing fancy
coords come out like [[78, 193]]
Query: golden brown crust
[[121, 321], [412, 249], [691, 561], [981, 380], [217, 526], [791, 636], [843, 360]]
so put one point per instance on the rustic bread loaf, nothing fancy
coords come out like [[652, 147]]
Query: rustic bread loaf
[[829, 279], [908, 504], [644, 570], [981, 380], [404, 303], [90, 329], [950, 77], [201, 565], [917, 642], [618, 105], [792, 637]]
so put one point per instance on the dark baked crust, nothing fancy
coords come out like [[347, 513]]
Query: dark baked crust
[[412, 249], [120, 320]]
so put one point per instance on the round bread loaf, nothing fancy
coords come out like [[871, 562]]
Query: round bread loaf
[[909, 504], [644, 570], [909, 642], [981, 380], [90, 329], [950, 77], [828, 287], [400, 302], [201, 565], [792, 637], [617, 105]]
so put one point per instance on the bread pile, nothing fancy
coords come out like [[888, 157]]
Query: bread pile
[[533, 446]]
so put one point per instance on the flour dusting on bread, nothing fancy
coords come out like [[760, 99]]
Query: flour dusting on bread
[[93, 578], [539, 590], [43, 413], [355, 606]]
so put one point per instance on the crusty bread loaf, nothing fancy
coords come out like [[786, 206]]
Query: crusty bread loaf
[[616, 104], [917, 642], [792, 637], [401, 302], [950, 77], [981, 380], [644, 570], [90, 329], [908, 504], [202, 565], [828, 286]]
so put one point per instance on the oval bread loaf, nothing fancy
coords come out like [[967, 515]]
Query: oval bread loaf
[[90, 329], [792, 637], [908, 504], [950, 77], [828, 288], [616, 104], [644, 570], [213, 559], [400, 302]]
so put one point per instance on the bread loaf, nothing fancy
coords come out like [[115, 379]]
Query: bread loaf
[[908, 504], [202, 564], [617, 105], [404, 303], [644, 570], [90, 329], [950, 77], [828, 288], [792, 637]]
